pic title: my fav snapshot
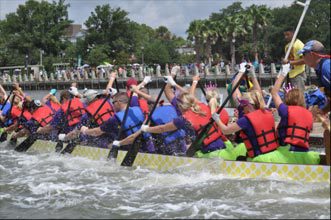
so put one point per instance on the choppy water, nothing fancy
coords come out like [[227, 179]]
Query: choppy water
[[54, 186]]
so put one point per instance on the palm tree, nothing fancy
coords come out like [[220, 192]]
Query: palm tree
[[259, 17], [234, 26], [194, 34]]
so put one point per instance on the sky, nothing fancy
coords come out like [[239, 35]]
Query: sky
[[176, 15]]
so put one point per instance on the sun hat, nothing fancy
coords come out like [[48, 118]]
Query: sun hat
[[312, 46]]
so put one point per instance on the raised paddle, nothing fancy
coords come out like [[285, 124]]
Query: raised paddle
[[133, 151], [196, 145], [114, 150], [71, 146]]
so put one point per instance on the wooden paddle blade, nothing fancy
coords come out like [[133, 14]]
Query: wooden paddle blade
[[59, 146], [131, 154], [69, 148], [26, 144], [113, 153], [3, 137]]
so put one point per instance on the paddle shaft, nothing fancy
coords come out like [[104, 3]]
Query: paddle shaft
[[197, 143], [133, 151]]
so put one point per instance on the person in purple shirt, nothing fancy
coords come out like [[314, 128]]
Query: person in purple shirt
[[296, 123], [133, 122]]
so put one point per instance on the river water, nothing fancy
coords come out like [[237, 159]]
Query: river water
[[53, 186]]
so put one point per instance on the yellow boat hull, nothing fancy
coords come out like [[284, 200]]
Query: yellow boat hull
[[240, 169]]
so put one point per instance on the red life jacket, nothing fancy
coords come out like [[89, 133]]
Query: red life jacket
[[224, 116], [16, 113], [144, 106], [103, 114], [43, 115], [299, 124], [55, 106], [265, 133], [75, 112], [198, 121]]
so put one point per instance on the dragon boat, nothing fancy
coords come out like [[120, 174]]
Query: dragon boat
[[233, 169]]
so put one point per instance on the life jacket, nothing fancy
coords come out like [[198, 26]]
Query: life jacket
[[323, 79], [144, 106], [199, 121], [263, 124], [299, 125], [163, 115], [103, 114], [75, 112], [43, 115], [16, 113], [54, 106], [134, 120]]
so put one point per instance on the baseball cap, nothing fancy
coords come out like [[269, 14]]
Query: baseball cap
[[312, 46], [89, 95], [130, 82]]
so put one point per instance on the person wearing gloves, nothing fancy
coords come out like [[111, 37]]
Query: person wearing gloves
[[192, 116], [68, 116], [41, 116], [51, 100], [135, 119], [244, 85], [296, 123], [94, 102], [257, 129]]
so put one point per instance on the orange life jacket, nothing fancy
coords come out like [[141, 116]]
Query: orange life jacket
[[16, 113], [299, 124], [55, 106], [263, 124], [144, 106], [103, 114], [75, 112], [198, 121], [43, 115]]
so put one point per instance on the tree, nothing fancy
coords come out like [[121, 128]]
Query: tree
[[194, 34]]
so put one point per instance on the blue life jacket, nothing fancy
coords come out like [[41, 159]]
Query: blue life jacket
[[163, 115], [316, 97], [133, 121], [323, 77], [5, 112]]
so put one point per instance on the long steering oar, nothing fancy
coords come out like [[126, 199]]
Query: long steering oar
[[196, 145], [133, 151], [114, 150], [71, 146]]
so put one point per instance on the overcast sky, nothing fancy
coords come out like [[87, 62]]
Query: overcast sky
[[176, 15]]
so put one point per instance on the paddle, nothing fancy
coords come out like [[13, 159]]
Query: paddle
[[71, 146], [196, 145], [133, 151], [114, 150]]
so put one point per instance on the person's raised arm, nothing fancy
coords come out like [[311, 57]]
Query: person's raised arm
[[274, 91], [226, 129], [113, 76], [136, 90], [195, 80]]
